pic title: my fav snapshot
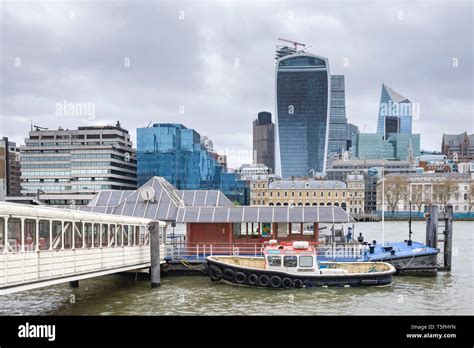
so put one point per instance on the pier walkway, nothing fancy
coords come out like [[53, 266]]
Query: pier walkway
[[43, 246]]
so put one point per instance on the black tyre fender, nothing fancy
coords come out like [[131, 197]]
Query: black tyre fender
[[240, 277], [229, 274], [263, 280], [286, 283], [275, 281], [298, 283], [215, 272], [253, 279]]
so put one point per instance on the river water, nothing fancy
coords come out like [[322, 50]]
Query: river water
[[448, 293]]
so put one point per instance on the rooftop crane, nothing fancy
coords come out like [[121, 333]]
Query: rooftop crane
[[293, 42], [37, 128]]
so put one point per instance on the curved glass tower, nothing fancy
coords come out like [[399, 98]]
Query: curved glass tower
[[302, 114]]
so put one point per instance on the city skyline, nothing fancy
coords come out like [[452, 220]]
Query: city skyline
[[123, 71]]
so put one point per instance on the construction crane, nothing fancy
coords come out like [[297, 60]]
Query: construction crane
[[37, 128], [293, 42]]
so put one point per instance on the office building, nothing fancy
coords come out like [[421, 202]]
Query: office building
[[302, 114], [68, 167], [341, 169], [340, 132], [396, 147], [395, 113], [246, 171], [9, 169], [177, 154], [264, 140]]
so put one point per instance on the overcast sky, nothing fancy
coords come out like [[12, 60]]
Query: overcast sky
[[210, 65]]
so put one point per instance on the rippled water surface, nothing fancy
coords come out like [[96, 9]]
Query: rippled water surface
[[447, 293]]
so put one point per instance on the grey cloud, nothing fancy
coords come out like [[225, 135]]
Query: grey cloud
[[191, 62]]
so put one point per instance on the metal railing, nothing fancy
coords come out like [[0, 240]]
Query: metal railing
[[199, 251]]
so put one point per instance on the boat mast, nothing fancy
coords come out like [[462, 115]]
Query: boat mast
[[383, 206]]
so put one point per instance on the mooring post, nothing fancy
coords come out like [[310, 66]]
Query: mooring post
[[431, 213], [154, 229], [448, 236]]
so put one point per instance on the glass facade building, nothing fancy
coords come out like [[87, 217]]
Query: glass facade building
[[302, 114], [264, 140], [393, 105], [176, 153], [340, 132], [395, 147]]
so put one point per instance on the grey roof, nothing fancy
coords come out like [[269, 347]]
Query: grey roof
[[206, 198], [456, 139], [306, 184], [163, 207], [184, 206], [263, 214]]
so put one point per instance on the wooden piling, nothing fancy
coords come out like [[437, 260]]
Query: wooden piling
[[155, 275], [448, 236], [431, 213]]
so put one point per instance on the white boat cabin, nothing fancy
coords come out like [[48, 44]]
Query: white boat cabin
[[296, 257]]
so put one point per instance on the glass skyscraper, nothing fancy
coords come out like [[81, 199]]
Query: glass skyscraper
[[302, 114], [395, 113], [176, 153], [340, 132]]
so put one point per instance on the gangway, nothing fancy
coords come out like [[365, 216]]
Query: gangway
[[42, 246]]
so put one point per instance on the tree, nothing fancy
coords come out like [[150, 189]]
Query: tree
[[417, 196], [470, 196], [396, 190], [444, 191]]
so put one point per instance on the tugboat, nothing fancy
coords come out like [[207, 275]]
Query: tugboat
[[296, 265]]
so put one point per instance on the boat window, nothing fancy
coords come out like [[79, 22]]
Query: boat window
[[77, 232], [290, 261], [306, 261], [44, 237], [30, 235], [274, 261]]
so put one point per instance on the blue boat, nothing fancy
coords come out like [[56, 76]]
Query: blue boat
[[409, 258]]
